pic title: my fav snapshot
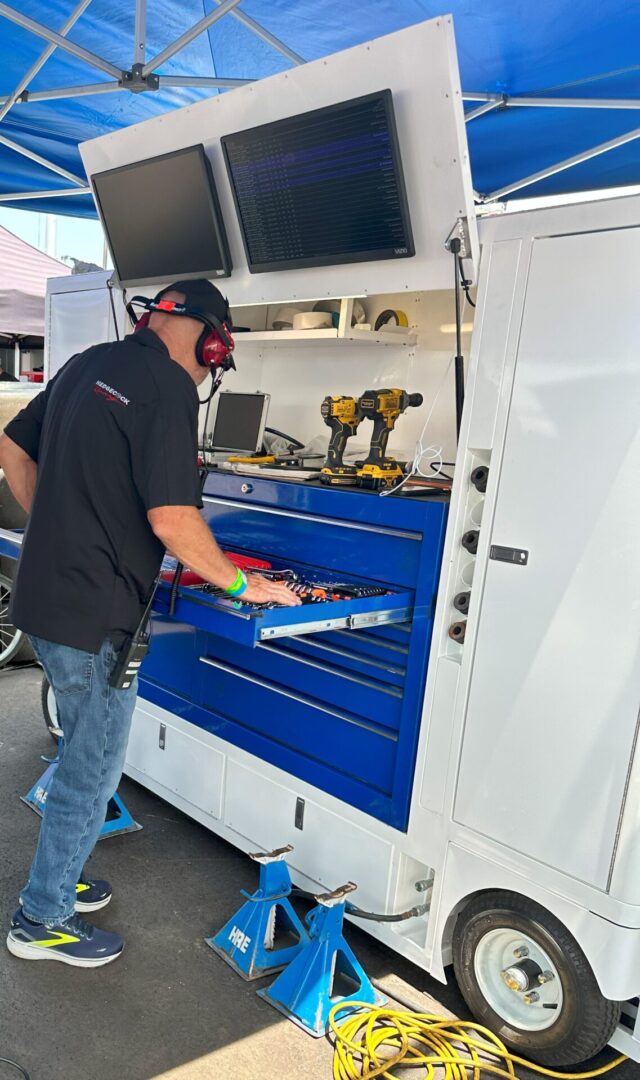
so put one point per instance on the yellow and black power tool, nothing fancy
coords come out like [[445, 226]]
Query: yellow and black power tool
[[343, 417], [383, 407]]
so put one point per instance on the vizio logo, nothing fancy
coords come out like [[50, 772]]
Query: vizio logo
[[400, 251], [240, 940]]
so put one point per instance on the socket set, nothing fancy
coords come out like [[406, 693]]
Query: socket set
[[308, 592]]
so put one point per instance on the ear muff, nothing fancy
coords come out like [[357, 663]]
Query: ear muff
[[214, 347]]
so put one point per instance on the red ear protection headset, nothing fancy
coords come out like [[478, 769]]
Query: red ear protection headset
[[214, 347]]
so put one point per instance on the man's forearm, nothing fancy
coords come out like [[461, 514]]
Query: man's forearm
[[190, 540], [20, 472]]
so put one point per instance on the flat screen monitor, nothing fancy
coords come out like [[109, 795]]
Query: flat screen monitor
[[321, 188], [240, 422], [162, 219]]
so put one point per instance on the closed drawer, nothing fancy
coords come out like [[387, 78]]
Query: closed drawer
[[315, 674], [171, 659], [349, 744]]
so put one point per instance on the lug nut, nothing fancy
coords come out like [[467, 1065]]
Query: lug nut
[[545, 977], [521, 952], [461, 602], [530, 999], [470, 541], [457, 631], [479, 478]]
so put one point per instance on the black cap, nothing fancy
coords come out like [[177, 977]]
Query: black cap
[[201, 295]]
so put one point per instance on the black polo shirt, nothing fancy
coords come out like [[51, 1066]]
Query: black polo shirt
[[114, 434]]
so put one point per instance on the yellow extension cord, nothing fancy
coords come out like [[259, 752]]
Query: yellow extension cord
[[375, 1040]]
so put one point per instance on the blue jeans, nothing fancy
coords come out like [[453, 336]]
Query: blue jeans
[[95, 720]]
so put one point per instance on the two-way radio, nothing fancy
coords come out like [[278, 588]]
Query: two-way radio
[[134, 649]]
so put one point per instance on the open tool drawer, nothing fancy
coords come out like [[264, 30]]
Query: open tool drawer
[[247, 625]]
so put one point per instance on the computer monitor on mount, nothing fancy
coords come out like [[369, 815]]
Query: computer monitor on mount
[[162, 219], [239, 423], [321, 188]]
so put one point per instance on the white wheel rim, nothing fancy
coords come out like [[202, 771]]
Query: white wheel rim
[[535, 1007], [52, 709], [10, 636]]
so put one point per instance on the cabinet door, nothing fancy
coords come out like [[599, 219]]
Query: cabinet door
[[555, 686], [181, 763]]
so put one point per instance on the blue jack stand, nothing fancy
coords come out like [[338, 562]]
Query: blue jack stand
[[117, 821], [248, 942], [326, 973]]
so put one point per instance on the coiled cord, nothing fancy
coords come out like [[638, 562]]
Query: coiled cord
[[374, 1041]]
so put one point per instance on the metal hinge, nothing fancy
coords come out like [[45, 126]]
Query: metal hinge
[[460, 231]]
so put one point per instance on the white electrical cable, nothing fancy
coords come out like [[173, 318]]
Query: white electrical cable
[[421, 451]]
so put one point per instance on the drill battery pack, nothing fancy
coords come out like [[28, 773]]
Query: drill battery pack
[[386, 474], [339, 475]]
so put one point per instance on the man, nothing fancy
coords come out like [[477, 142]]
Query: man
[[6, 377], [105, 463]]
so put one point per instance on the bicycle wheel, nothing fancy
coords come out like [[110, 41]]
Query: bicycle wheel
[[10, 637]]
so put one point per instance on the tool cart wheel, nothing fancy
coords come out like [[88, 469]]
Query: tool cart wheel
[[49, 709], [10, 636], [525, 977]]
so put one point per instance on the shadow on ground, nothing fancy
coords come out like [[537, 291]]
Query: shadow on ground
[[169, 1007]]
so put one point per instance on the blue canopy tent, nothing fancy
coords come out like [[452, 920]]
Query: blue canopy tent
[[552, 90]]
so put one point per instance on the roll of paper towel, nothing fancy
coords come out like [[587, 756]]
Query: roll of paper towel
[[312, 320]]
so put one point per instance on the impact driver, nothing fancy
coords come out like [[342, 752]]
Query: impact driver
[[383, 407], [342, 416]]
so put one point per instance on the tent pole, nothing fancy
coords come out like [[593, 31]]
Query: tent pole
[[512, 102], [482, 109], [573, 103], [140, 32], [42, 59], [57, 39], [68, 92], [19, 196], [195, 80], [41, 160], [267, 36], [481, 95], [560, 166], [189, 35]]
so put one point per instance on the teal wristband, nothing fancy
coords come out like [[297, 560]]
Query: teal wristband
[[239, 585]]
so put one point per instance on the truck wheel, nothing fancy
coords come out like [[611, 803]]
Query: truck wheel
[[49, 709], [10, 636], [526, 978]]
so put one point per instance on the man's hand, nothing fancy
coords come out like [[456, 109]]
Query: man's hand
[[262, 591]]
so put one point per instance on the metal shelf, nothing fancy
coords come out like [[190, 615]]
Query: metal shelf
[[296, 338]]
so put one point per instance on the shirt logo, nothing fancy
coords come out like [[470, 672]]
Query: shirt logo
[[109, 393]]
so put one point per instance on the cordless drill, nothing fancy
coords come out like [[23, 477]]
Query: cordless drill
[[383, 407], [342, 416]]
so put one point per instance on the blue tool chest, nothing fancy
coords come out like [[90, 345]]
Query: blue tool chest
[[330, 692]]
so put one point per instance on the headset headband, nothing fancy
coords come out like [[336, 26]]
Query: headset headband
[[173, 307]]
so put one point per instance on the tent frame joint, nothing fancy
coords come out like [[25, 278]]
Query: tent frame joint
[[137, 82]]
